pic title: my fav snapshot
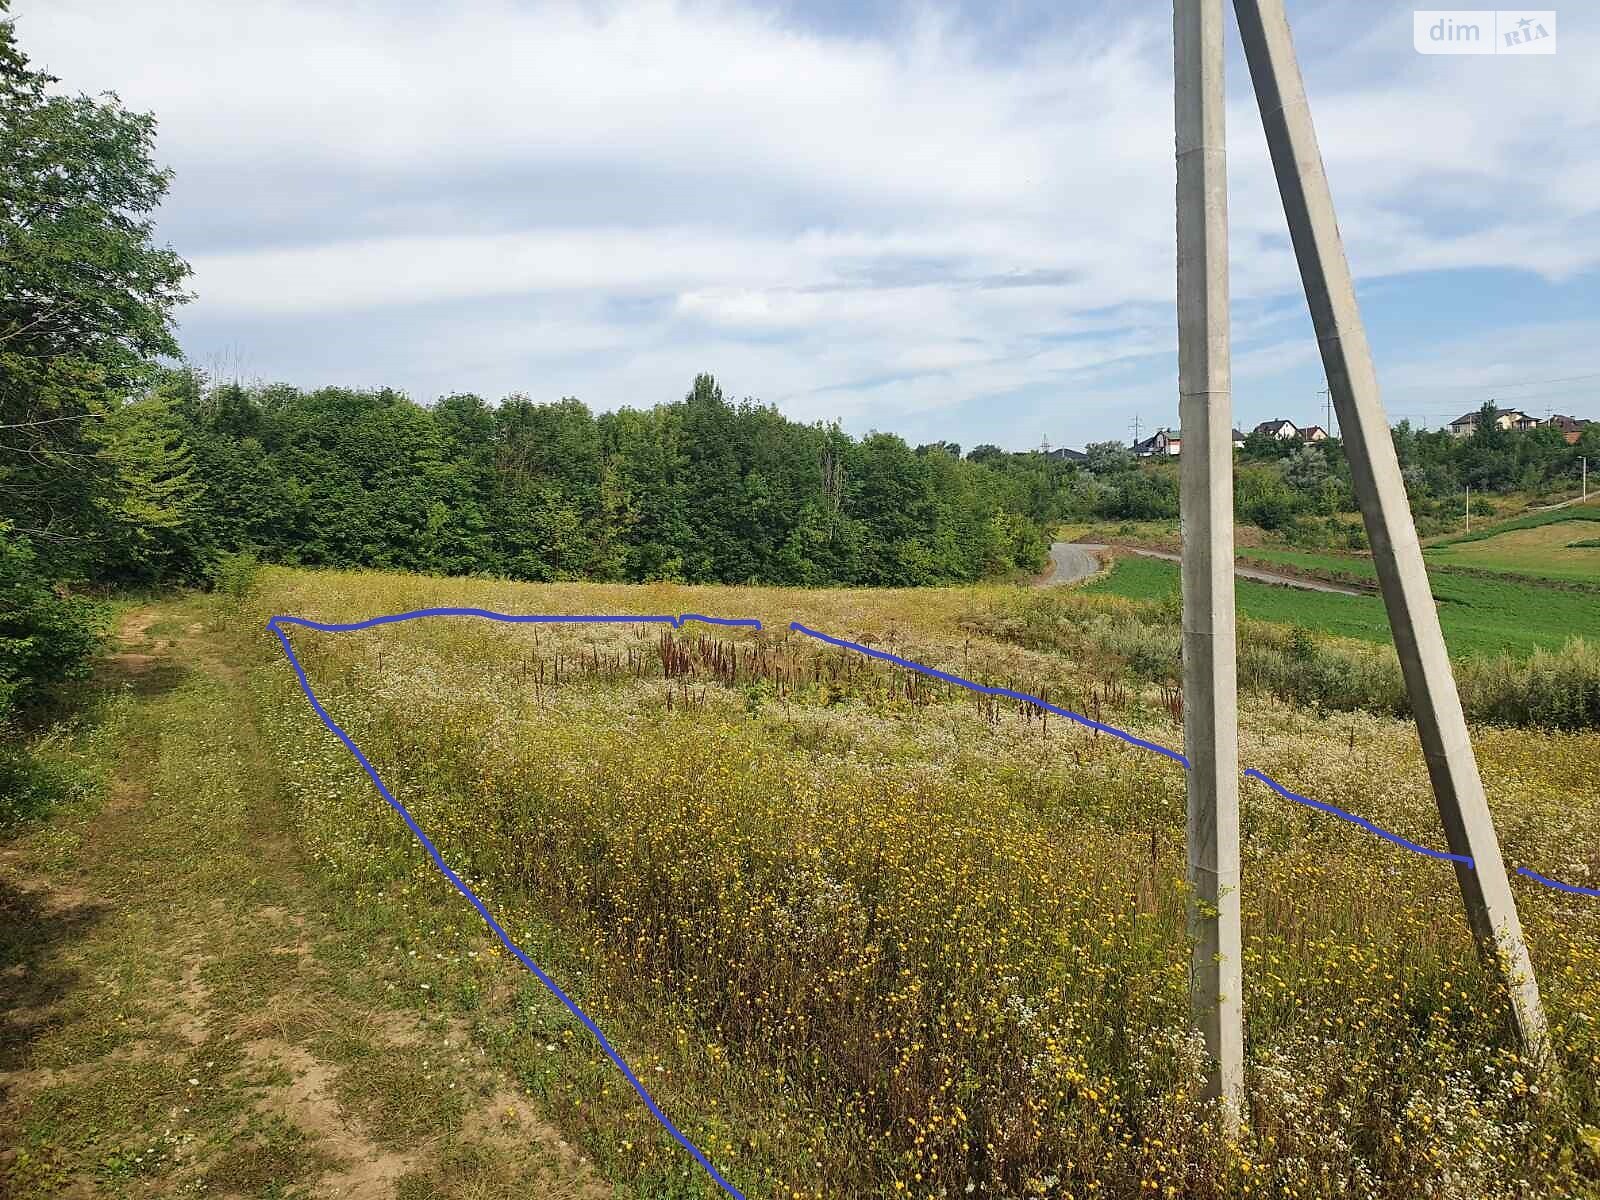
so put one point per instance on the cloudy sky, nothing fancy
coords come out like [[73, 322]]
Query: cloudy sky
[[949, 221]]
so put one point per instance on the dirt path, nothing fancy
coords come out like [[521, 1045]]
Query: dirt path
[[1078, 560], [181, 1016], [1558, 504], [1071, 562]]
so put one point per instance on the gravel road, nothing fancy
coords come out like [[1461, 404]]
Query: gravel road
[[1072, 561], [1079, 560]]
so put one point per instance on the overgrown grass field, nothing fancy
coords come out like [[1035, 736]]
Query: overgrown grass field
[[870, 936]]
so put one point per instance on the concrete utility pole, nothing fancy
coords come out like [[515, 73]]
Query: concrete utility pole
[[1375, 471], [1210, 688]]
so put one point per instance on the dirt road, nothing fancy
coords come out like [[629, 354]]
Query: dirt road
[[1079, 560], [183, 1011], [1071, 562]]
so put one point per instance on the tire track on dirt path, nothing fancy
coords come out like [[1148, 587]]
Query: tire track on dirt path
[[181, 1014]]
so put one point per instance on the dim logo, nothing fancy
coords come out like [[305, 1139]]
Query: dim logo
[[1484, 31]]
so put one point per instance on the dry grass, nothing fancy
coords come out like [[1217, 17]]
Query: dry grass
[[876, 943]]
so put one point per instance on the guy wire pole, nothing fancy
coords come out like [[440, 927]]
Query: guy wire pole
[[1379, 489], [1210, 688]]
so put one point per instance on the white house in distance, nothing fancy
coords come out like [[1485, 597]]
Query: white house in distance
[[1313, 433], [1279, 428], [1504, 418]]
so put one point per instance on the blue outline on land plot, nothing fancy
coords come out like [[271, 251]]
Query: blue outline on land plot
[[1351, 817], [275, 625], [933, 673], [1560, 887]]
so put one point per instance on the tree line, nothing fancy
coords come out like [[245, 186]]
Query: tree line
[[701, 490]]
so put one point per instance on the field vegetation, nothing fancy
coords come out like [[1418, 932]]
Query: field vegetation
[[870, 935], [1483, 616], [1552, 545]]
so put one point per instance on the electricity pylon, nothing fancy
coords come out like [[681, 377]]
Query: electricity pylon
[[1210, 723]]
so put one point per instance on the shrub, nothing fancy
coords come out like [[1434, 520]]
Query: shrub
[[235, 574], [1302, 646], [1552, 689], [44, 638], [1171, 610]]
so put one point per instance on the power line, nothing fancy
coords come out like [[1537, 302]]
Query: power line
[[1541, 382], [1541, 395], [1502, 387]]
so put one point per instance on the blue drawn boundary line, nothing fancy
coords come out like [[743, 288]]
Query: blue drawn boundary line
[[509, 618], [1361, 821], [1560, 887], [276, 623], [992, 691]]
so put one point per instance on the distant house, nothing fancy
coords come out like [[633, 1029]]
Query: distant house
[[1278, 428], [1238, 440], [1313, 433], [1571, 427], [1161, 442], [1504, 418], [1065, 454]]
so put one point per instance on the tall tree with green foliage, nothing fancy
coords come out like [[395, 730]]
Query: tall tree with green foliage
[[86, 298], [153, 513]]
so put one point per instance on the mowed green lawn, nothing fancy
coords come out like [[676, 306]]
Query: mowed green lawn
[[1480, 615], [1545, 551]]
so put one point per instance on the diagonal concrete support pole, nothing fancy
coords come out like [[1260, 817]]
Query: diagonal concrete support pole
[[1210, 691], [1463, 807]]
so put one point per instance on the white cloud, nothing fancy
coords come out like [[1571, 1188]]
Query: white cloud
[[828, 219]]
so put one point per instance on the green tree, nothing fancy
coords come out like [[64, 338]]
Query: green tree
[[86, 298], [44, 638], [153, 513], [889, 494], [1261, 497], [651, 488], [1108, 458]]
